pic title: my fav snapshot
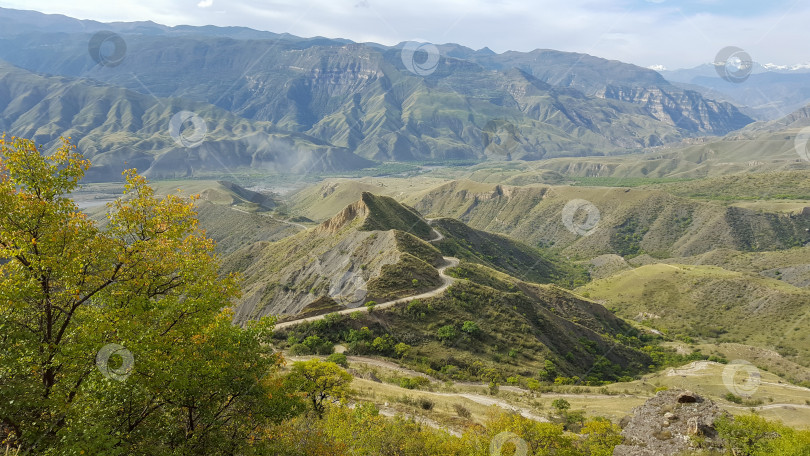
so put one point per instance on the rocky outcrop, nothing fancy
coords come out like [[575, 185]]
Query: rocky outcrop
[[671, 423], [343, 218], [682, 108]]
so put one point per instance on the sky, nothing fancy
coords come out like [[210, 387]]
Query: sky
[[651, 33]]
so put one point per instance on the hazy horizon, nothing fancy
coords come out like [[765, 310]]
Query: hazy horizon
[[648, 33]]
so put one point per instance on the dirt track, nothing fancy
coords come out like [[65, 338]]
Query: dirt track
[[450, 262]]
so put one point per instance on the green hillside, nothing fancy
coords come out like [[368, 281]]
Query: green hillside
[[516, 329], [384, 213], [504, 254], [631, 221], [708, 303]]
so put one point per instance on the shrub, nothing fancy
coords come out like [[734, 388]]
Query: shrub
[[446, 333], [383, 345], [413, 382], [471, 328], [299, 350], [462, 411], [402, 349], [339, 359], [561, 404]]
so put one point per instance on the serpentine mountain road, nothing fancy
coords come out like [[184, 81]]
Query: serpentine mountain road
[[450, 262]]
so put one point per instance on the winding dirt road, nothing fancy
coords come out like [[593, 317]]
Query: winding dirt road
[[450, 262]]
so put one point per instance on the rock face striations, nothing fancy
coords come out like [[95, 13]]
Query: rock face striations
[[375, 249], [284, 103]]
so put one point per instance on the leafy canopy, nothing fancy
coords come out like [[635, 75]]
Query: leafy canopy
[[179, 379]]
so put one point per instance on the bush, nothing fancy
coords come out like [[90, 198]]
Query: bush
[[383, 345], [471, 328], [446, 333], [300, 350], [318, 345], [413, 382], [561, 405], [462, 411], [402, 349], [339, 359], [425, 403]]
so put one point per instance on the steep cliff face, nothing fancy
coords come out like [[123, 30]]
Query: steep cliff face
[[683, 109]]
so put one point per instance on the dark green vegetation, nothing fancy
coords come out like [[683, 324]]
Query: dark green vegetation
[[788, 185], [490, 327], [504, 254]]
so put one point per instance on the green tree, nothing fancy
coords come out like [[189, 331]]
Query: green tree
[[402, 349], [446, 333], [601, 437], [183, 379], [471, 328], [319, 380], [383, 345], [561, 405]]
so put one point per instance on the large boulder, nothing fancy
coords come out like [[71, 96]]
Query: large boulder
[[671, 423]]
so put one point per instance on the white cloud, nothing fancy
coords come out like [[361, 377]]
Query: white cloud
[[643, 33]]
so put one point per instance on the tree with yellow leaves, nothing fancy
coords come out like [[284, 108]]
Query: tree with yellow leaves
[[118, 339]]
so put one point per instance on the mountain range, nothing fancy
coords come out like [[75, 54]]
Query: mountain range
[[331, 103]]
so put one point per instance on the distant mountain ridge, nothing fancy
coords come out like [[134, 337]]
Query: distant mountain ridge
[[474, 105]]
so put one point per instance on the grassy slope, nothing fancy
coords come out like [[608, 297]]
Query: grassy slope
[[521, 325], [504, 254], [385, 213], [712, 304], [632, 221]]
